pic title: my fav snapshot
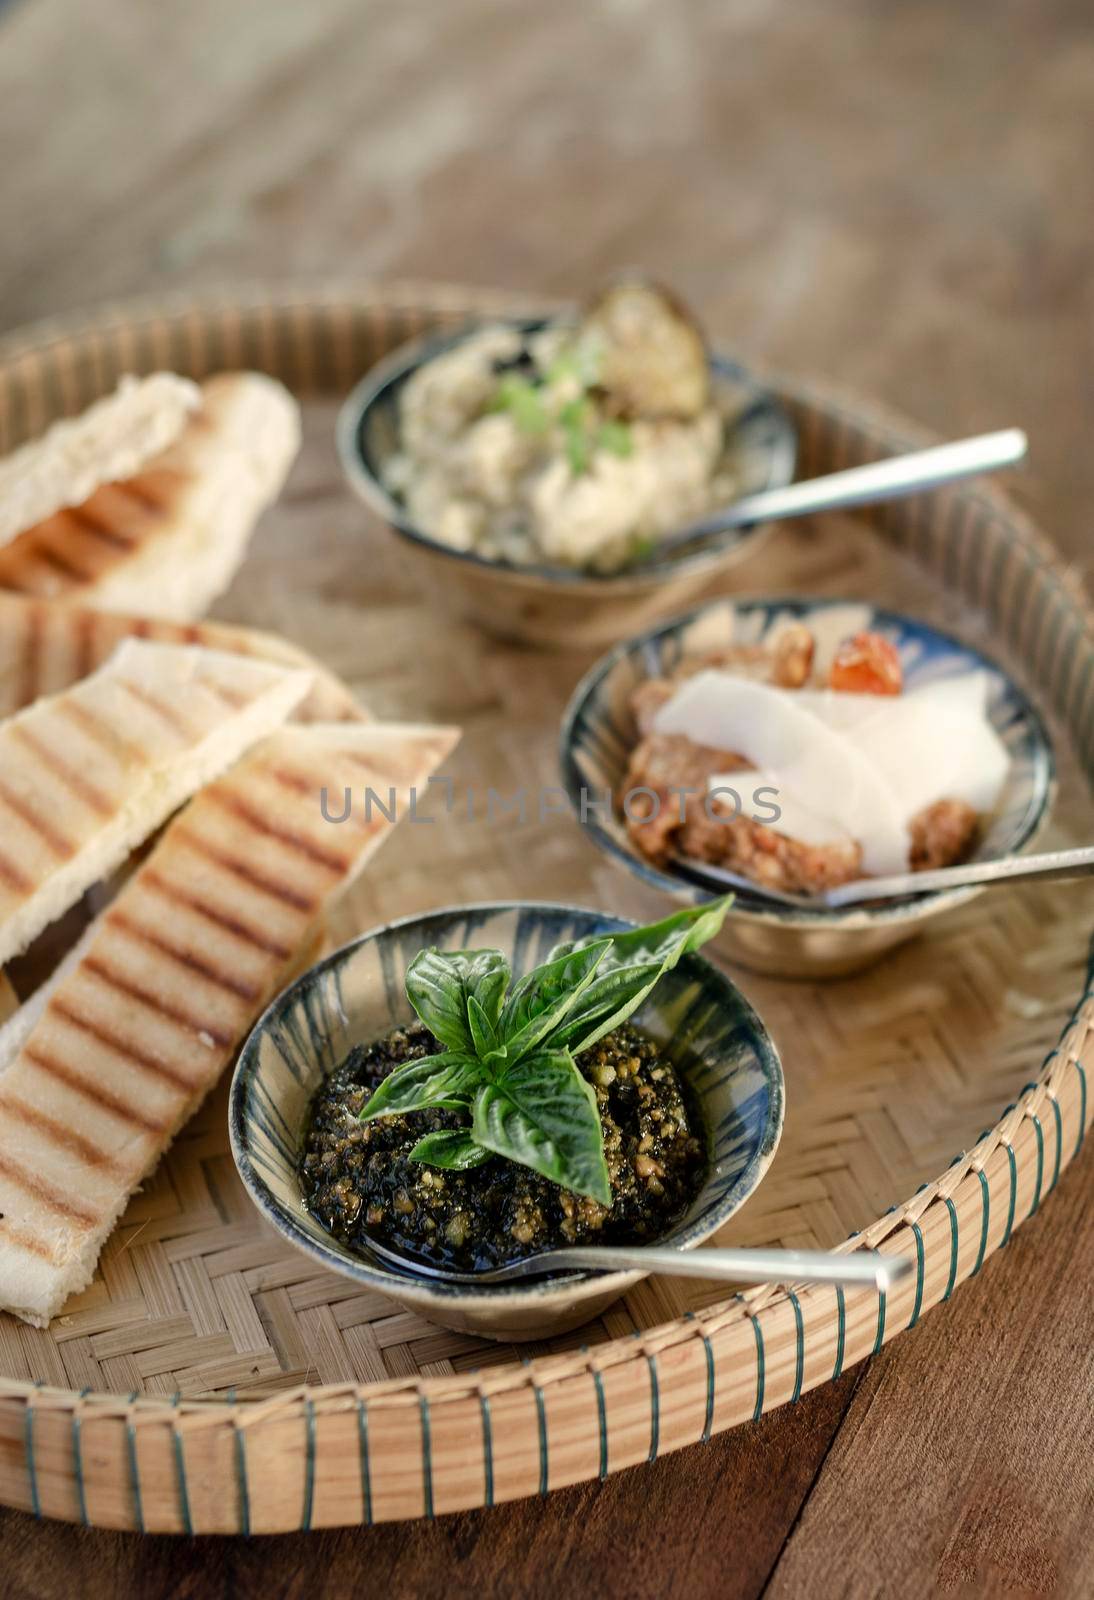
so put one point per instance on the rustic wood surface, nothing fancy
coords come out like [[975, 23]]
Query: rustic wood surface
[[899, 199]]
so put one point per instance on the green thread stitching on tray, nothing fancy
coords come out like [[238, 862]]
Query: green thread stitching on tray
[[427, 1458], [1039, 1174], [758, 1331], [952, 1279], [1065, 665], [1013, 1165], [951, 549], [241, 1480], [655, 1408], [602, 1421], [841, 1331], [1055, 1104], [1080, 1069], [541, 1418], [180, 1469], [1084, 683], [78, 1459], [487, 1449], [879, 1337], [309, 1466], [366, 1470], [134, 1466], [986, 1193], [708, 1419], [1016, 621], [799, 1347], [28, 1448], [917, 1304], [1002, 555]]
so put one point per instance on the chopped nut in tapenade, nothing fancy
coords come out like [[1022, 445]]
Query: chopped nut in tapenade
[[358, 1178]]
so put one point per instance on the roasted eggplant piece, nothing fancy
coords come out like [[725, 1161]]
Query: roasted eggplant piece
[[652, 361]]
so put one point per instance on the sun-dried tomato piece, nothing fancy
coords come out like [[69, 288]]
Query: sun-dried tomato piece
[[866, 664]]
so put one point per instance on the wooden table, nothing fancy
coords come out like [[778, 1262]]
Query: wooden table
[[897, 197]]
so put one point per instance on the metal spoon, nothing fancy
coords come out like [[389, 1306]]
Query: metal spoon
[[879, 480], [740, 1266], [1061, 864]]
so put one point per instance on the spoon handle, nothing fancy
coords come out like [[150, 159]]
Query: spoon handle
[[1077, 863], [742, 1266], [879, 480]]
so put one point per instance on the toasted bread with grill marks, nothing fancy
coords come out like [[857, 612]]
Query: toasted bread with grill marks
[[168, 982], [87, 775], [168, 538], [112, 439], [47, 645]]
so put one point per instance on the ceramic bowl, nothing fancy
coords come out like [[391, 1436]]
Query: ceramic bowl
[[551, 607], [701, 1020], [598, 733]]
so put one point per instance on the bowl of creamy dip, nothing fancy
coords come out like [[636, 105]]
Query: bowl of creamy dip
[[535, 465]]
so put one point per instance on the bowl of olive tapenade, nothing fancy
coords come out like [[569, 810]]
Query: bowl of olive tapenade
[[479, 1084]]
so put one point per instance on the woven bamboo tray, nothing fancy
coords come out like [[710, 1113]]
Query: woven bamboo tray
[[210, 1380]]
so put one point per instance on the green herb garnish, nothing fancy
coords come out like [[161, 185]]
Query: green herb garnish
[[616, 437], [508, 1062], [574, 418], [524, 402], [580, 360]]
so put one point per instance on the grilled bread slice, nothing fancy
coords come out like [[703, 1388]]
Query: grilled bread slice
[[45, 646], [112, 439], [168, 982], [168, 539], [87, 775]]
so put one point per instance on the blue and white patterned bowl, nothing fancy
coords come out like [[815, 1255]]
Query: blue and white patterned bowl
[[556, 607], [598, 734], [701, 1020]]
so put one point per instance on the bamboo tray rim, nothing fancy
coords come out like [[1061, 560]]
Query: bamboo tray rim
[[1060, 1087], [1059, 1063]]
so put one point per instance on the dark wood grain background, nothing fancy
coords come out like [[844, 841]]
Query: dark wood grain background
[[899, 196]]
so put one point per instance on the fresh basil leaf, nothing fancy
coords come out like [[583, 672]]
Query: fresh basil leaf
[[439, 984], [445, 1082], [452, 1148], [634, 962], [538, 1002], [543, 1114], [483, 1033], [488, 979]]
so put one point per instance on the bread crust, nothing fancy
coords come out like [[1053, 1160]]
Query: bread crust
[[166, 986], [112, 439], [168, 539], [47, 645], [86, 776]]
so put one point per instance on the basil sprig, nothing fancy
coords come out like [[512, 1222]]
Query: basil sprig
[[508, 1062]]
